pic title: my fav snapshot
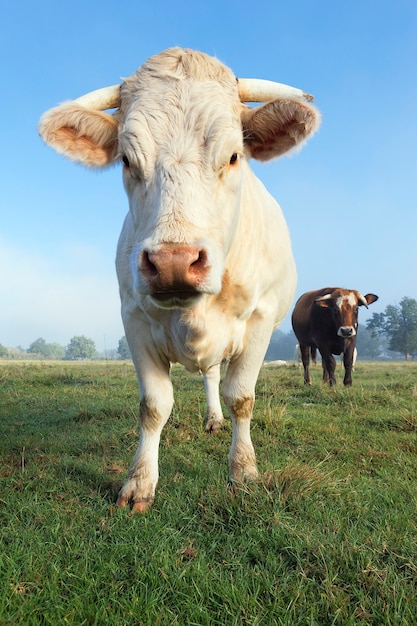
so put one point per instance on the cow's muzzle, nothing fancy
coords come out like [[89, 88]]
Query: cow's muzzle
[[346, 332], [175, 274]]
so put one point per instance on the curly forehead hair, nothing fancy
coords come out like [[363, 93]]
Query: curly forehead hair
[[183, 64]]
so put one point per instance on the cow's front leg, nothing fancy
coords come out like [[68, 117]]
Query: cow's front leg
[[329, 367], [242, 459], [239, 396], [155, 409], [348, 357], [214, 414]]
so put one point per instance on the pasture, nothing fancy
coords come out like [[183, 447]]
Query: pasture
[[326, 536]]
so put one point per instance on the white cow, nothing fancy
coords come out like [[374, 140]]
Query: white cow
[[204, 260]]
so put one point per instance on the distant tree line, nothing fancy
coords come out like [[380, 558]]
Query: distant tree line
[[79, 348], [398, 325], [388, 335]]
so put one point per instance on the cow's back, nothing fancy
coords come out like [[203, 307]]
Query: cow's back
[[302, 317]]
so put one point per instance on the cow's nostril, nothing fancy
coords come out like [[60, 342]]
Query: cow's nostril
[[200, 261], [147, 266]]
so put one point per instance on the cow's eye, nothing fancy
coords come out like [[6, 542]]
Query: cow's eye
[[125, 161], [234, 158]]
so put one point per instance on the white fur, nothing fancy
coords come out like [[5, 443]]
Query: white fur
[[349, 298], [202, 337], [179, 124]]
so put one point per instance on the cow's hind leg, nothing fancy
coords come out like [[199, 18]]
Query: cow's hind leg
[[214, 413], [305, 357]]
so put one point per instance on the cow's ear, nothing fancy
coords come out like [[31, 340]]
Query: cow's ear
[[278, 127], [370, 297], [85, 136]]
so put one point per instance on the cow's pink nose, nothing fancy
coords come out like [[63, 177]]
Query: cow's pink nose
[[174, 269]]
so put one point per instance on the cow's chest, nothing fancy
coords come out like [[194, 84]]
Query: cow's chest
[[198, 339], [331, 343]]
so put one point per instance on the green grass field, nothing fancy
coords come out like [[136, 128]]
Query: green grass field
[[326, 536]]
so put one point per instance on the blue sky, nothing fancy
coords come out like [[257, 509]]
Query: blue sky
[[349, 197]]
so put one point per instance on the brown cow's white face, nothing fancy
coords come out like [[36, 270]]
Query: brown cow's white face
[[344, 305], [346, 310]]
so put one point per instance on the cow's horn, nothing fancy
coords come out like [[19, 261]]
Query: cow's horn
[[250, 90], [101, 99], [258, 90], [362, 299], [328, 296]]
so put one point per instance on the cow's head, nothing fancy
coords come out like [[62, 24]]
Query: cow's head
[[343, 304], [183, 135]]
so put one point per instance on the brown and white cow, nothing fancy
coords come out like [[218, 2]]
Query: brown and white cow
[[327, 319], [204, 260]]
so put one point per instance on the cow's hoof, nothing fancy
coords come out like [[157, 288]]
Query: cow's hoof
[[142, 506], [213, 424], [139, 506], [131, 494], [243, 474]]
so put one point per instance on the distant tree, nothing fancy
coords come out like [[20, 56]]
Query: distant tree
[[281, 346], [111, 354], [399, 325], [46, 350], [56, 351], [123, 349], [368, 345], [39, 346], [80, 347], [3, 351]]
